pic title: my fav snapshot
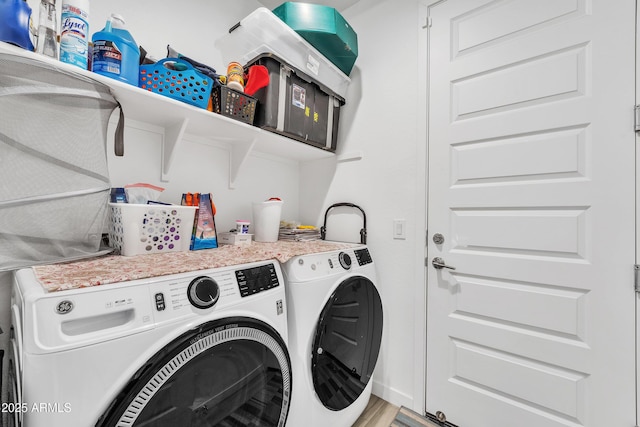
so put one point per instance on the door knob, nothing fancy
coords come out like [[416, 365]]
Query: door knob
[[438, 264]]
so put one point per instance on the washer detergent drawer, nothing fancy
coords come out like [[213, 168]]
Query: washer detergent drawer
[[75, 319]]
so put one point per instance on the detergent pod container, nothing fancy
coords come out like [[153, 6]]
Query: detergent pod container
[[266, 218], [115, 53], [14, 23]]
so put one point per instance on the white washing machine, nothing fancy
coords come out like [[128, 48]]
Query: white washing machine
[[206, 348], [335, 330]]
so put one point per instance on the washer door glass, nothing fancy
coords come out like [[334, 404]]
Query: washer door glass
[[347, 343], [230, 372]]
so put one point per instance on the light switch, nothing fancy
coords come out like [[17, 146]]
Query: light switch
[[399, 229]]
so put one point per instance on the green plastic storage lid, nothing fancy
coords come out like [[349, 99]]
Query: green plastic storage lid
[[325, 29]]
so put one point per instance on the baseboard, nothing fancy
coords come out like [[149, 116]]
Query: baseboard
[[392, 396]]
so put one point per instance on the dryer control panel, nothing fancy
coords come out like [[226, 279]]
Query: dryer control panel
[[326, 264], [363, 256]]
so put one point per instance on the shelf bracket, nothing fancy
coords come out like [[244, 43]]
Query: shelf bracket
[[237, 156], [350, 157], [172, 140]]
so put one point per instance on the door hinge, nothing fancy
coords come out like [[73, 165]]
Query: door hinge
[[637, 118], [636, 277], [427, 22]]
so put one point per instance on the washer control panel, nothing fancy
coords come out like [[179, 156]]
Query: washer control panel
[[257, 279], [213, 289]]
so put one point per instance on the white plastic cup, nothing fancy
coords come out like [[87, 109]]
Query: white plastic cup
[[266, 220], [242, 226]]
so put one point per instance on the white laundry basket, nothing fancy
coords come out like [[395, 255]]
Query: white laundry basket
[[145, 229], [266, 220]]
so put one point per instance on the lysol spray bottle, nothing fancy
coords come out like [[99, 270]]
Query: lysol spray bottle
[[74, 32]]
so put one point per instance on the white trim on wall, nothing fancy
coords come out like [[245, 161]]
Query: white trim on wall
[[420, 297]]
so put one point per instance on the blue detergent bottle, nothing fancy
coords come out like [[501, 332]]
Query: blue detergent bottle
[[115, 53], [15, 16]]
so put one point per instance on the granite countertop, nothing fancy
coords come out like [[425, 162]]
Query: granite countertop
[[115, 268]]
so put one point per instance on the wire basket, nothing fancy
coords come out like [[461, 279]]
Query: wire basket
[[234, 104], [137, 229], [185, 84]]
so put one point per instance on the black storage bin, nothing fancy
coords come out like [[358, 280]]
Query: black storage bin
[[296, 106]]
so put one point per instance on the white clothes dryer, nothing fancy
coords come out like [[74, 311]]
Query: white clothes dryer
[[335, 331], [206, 348]]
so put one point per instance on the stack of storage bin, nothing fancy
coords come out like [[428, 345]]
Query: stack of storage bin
[[306, 89]]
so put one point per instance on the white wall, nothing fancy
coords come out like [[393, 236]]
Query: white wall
[[202, 165], [380, 121]]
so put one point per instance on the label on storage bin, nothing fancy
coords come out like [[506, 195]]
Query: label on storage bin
[[313, 65], [106, 57], [298, 96]]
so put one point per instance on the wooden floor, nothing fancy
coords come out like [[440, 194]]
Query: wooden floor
[[378, 413]]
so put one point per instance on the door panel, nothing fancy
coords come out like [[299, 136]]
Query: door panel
[[531, 182], [557, 154], [495, 21]]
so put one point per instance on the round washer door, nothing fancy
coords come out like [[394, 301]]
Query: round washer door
[[347, 342], [233, 371]]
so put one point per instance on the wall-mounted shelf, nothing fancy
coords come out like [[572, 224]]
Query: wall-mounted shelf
[[178, 119]]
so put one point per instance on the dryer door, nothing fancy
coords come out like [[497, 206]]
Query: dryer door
[[347, 342], [233, 371]]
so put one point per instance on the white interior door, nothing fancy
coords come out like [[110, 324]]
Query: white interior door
[[531, 184]]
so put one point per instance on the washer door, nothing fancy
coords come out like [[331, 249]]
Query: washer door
[[14, 391], [347, 343], [229, 372], [15, 407]]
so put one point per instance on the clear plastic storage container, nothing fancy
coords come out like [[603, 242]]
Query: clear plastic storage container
[[262, 32]]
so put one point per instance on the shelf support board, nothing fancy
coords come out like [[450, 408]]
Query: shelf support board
[[171, 142]]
